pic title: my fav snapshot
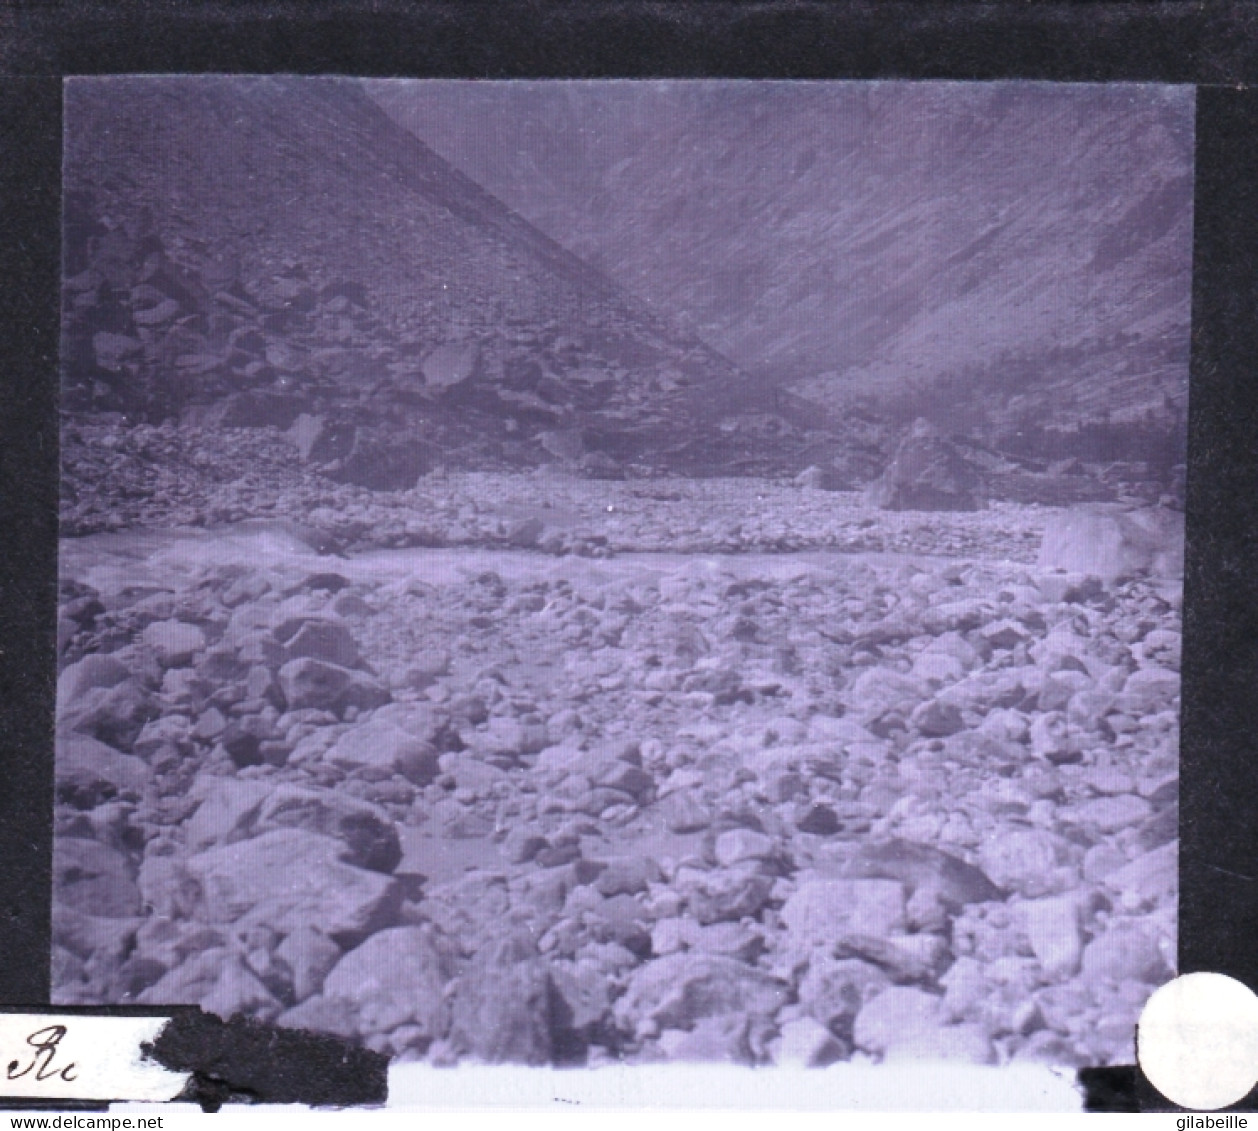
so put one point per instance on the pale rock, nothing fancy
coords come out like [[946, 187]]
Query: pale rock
[[227, 811], [678, 990], [727, 895], [1148, 690], [1113, 544], [724, 1038], [1033, 862], [87, 674], [1052, 737], [314, 683], [586, 992], [834, 990], [1108, 814], [219, 982], [1126, 951], [89, 773], [86, 935], [898, 1014], [238, 991], [806, 1043], [1052, 927], [115, 714], [820, 912], [504, 1005], [966, 987], [319, 1014], [737, 845], [828, 729], [1101, 861], [169, 732], [366, 831], [173, 642], [310, 956], [1150, 878], [882, 690], [384, 747], [396, 977], [288, 879], [938, 668]]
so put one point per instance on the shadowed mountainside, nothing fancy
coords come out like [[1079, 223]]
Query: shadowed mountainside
[[282, 243], [1002, 257]]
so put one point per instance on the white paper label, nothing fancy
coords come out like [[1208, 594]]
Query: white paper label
[[73, 1057]]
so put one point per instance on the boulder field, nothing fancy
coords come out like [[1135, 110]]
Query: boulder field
[[501, 804]]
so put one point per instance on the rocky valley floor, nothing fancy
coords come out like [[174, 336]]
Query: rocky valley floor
[[556, 771]]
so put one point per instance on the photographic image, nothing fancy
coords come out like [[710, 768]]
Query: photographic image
[[624, 572]]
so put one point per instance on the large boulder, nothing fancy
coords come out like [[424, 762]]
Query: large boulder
[[506, 1010], [328, 687], [397, 977], [450, 365], [89, 773], [1114, 544], [291, 878], [232, 810], [927, 473], [679, 990], [93, 878]]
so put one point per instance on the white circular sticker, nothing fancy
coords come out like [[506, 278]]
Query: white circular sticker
[[1197, 1041]]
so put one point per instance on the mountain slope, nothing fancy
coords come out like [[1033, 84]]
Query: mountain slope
[[282, 236], [1003, 257]]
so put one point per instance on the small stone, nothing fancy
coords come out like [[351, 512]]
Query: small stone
[[1052, 928], [1149, 690], [627, 875], [89, 673], [219, 982], [678, 990], [310, 955], [210, 725], [313, 683], [89, 773], [1125, 951], [897, 1015], [965, 1043], [834, 990], [319, 640], [1004, 634], [1109, 814], [685, 812], [1029, 861], [93, 878], [522, 845], [1102, 860], [806, 1043], [736, 845], [936, 719], [819, 820], [174, 642], [722, 896], [1150, 878]]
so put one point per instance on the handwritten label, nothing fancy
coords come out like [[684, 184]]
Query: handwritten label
[[66, 1057]]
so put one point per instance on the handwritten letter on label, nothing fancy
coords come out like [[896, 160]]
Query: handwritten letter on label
[[67, 1057]]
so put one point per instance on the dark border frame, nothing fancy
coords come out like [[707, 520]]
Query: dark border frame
[[1213, 43]]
